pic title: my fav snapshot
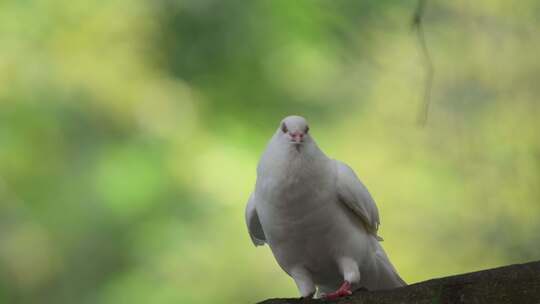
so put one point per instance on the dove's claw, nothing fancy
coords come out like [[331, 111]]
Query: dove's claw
[[344, 290]]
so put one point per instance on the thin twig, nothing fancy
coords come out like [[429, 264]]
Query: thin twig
[[418, 26]]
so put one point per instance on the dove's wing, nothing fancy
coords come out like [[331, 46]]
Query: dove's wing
[[254, 225], [356, 197]]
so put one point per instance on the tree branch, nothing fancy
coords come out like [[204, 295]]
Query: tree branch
[[518, 283], [418, 26]]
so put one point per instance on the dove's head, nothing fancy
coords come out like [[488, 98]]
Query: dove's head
[[294, 129]]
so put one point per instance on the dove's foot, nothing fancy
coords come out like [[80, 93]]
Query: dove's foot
[[344, 290]]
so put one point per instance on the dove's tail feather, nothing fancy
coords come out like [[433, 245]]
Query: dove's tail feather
[[388, 275]]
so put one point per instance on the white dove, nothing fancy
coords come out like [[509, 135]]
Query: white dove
[[317, 217]]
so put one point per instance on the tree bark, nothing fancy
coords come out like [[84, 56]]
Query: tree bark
[[518, 283]]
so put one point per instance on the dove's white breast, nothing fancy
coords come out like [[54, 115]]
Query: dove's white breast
[[303, 220]]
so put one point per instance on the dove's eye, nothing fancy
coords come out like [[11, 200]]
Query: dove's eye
[[284, 128], [307, 129]]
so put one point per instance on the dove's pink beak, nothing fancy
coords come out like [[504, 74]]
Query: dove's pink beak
[[297, 137]]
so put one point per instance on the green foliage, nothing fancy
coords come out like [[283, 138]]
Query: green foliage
[[130, 133]]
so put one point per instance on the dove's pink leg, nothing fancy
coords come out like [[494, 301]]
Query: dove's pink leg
[[344, 290]]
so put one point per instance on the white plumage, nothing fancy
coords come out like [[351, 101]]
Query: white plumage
[[318, 219]]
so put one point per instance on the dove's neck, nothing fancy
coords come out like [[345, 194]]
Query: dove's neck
[[290, 167]]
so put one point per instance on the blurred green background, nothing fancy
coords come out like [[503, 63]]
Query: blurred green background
[[130, 133]]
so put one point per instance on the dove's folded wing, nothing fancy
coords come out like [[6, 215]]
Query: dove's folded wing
[[356, 197], [254, 225]]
